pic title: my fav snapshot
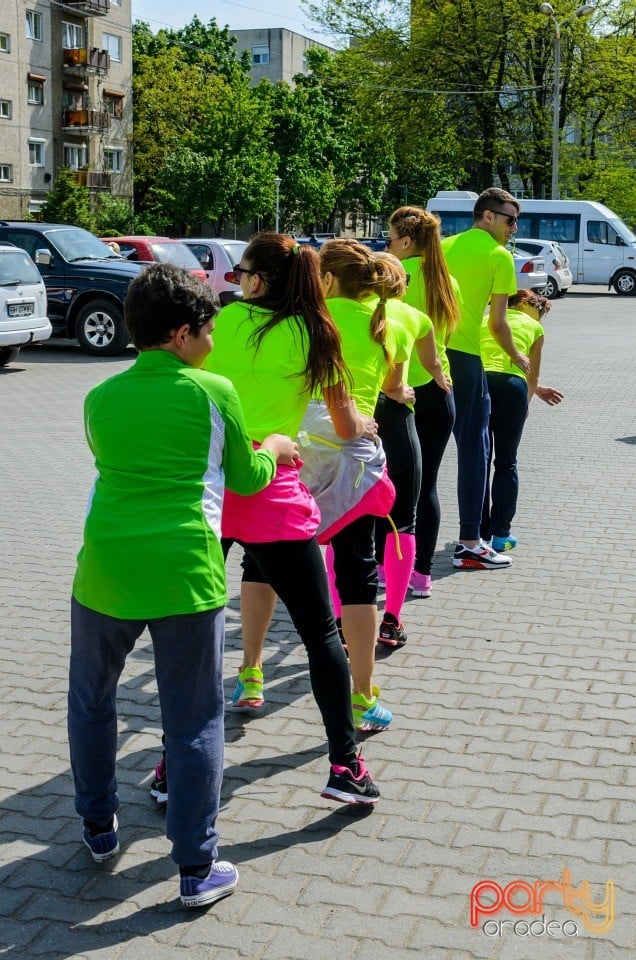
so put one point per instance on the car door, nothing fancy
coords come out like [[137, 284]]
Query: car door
[[205, 255], [53, 274], [602, 251]]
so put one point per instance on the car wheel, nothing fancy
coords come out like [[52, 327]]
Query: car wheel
[[8, 354], [100, 329], [551, 289], [624, 283]]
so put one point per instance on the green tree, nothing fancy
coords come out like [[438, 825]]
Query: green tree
[[69, 203]]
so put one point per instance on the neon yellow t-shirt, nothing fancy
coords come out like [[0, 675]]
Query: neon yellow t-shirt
[[364, 357], [416, 296], [269, 379], [525, 332], [482, 267]]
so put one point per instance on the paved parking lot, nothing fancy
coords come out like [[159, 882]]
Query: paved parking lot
[[511, 757]]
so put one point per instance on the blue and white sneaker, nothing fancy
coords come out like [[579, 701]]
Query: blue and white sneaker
[[368, 714], [221, 881], [501, 544], [103, 846]]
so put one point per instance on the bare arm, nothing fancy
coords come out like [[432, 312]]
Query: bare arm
[[535, 367], [394, 386], [347, 422], [498, 326], [429, 358]]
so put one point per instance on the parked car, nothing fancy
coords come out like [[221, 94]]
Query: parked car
[[530, 272], [23, 316], [158, 250], [85, 282], [557, 265], [217, 256], [375, 243]]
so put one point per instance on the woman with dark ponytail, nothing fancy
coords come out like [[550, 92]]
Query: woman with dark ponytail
[[278, 346]]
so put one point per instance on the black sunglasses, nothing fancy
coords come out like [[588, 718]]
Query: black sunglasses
[[512, 221], [237, 270]]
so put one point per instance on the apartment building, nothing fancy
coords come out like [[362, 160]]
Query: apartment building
[[276, 54], [65, 98]]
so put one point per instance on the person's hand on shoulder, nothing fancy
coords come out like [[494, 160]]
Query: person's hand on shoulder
[[284, 448]]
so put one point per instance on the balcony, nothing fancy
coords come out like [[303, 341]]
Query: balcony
[[81, 60], [90, 8], [85, 121], [92, 179]]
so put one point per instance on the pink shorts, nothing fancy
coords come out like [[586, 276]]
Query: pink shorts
[[284, 510]]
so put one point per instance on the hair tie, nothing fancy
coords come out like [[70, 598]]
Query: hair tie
[[296, 249]]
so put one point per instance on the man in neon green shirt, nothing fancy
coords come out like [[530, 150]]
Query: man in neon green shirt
[[485, 272], [167, 437]]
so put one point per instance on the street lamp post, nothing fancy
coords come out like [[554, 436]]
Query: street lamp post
[[546, 8], [277, 183]]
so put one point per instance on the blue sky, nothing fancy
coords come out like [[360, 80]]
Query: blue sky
[[237, 15]]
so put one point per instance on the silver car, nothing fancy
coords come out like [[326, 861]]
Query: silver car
[[217, 256], [557, 265], [530, 272]]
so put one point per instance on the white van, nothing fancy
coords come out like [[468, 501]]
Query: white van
[[599, 246], [23, 316]]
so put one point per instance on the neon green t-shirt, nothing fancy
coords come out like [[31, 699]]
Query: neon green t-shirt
[[270, 379], [482, 267], [416, 296], [365, 358], [525, 332], [167, 439]]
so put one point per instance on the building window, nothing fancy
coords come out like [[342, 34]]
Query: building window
[[5, 43], [37, 153], [75, 156], [72, 36], [113, 159], [35, 89], [114, 104], [73, 98], [6, 173], [33, 25], [5, 109], [112, 43], [260, 53]]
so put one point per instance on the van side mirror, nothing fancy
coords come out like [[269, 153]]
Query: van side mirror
[[620, 242], [43, 258]]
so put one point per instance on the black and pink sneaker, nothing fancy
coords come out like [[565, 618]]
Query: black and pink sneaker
[[350, 785]]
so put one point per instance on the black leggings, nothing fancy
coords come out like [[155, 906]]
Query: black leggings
[[434, 419], [396, 427], [296, 572]]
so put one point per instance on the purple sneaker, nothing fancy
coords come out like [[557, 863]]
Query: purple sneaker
[[420, 584], [221, 881]]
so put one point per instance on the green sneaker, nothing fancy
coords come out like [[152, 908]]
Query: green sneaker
[[248, 694], [369, 714]]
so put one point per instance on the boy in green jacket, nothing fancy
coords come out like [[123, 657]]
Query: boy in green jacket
[[167, 437]]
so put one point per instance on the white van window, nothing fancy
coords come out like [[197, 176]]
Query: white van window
[[453, 223], [599, 231], [562, 229]]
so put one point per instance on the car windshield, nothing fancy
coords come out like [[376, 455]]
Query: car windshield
[[17, 268], [623, 231], [77, 244], [175, 253]]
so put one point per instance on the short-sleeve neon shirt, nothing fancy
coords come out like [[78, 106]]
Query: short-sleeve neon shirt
[[167, 439], [482, 267], [416, 296], [525, 333], [269, 378], [365, 358]]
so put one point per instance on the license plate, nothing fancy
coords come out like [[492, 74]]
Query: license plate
[[20, 309]]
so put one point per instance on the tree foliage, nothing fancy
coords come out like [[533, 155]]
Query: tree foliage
[[68, 202]]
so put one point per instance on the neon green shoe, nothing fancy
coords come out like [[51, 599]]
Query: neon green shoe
[[368, 714], [249, 689]]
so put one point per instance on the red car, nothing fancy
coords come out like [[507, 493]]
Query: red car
[[158, 250]]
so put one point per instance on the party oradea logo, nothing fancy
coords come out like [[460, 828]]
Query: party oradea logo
[[519, 897]]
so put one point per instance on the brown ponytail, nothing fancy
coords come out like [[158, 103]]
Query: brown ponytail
[[291, 273], [423, 229], [359, 277]]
